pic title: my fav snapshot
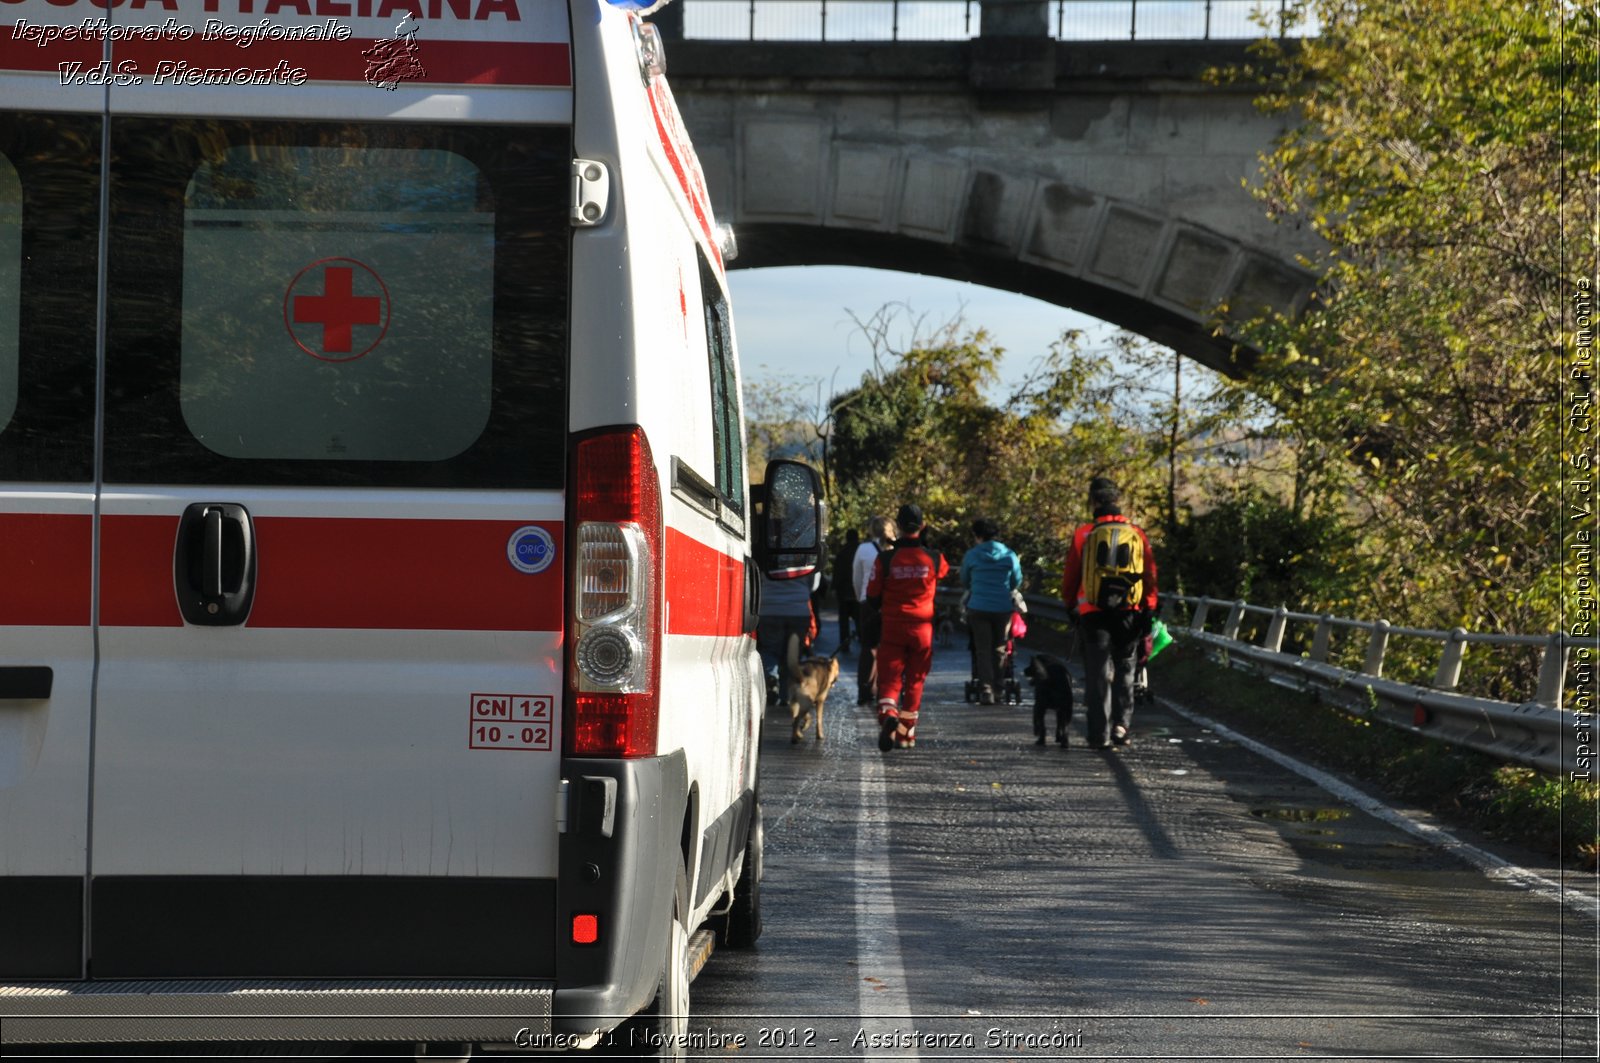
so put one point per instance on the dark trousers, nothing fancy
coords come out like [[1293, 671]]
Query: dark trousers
[[870, 627], [847, 613], [772, 641], [989, 631], [1110, 643]]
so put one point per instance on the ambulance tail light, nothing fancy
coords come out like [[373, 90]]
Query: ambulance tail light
[[615, 643]]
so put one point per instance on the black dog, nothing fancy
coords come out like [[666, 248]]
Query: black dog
[[1052, 689]]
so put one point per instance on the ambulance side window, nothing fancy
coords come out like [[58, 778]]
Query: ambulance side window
[[10, 287], [337, 304], [728, 439], [49, 219]]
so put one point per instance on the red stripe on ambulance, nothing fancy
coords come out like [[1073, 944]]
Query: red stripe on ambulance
[[45, 561], [400, 574], [544, 65], [685, 164], [705, 588], [448, 62], [136, 579], [337, 573], [18, 55]]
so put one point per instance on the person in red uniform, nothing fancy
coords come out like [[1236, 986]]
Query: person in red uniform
[[1108, 638], [904, 579]]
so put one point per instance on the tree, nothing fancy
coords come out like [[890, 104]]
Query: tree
[[1255, 547], [1433, 157], [916, 425], [926, 425], [780, 422]]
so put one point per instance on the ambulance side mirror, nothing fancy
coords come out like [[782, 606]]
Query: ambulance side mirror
[[791, 521]]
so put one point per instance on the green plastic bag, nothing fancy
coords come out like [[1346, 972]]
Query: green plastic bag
[[1160, 638]]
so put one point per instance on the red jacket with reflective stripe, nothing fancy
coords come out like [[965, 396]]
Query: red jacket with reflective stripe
[[1072, 577], [908, 586]]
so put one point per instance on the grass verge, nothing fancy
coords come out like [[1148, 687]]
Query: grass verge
[[1551, 815]]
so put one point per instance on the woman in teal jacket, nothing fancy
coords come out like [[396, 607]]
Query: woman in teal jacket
[[990, 571]]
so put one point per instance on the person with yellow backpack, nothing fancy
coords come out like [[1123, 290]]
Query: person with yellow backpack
[[1109, 587]]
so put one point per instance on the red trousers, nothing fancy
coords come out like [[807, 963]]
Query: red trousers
[[905, 654]]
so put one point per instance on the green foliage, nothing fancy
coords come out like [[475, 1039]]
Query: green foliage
[[1255, 547], [1437, 151], [924, 428], [1564, 809], [780, 423], [1202, 463]]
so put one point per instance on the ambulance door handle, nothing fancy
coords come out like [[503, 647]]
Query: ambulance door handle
[[211, 566], [752, 596], [214, 567]]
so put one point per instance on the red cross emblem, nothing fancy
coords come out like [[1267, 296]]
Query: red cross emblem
[[341, 296]]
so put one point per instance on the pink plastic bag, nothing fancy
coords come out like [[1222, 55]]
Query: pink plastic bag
[[1019, 626]]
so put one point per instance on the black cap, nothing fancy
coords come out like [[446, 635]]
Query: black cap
[[1104, 496], [909, 518]]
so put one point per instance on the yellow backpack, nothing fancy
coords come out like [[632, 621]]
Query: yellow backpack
[[1113, 566]]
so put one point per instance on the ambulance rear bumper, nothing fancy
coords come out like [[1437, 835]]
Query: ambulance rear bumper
[[471, 1010]]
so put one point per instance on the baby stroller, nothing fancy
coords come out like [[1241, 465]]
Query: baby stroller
[[1007, 690], [1141, 672]]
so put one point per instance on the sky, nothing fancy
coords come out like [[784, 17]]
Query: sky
[[794, 322]]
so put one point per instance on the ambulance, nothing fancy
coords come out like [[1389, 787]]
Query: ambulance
[[377, 562]]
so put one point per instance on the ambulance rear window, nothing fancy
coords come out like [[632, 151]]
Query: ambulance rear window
[[331, 303], [390, 356]]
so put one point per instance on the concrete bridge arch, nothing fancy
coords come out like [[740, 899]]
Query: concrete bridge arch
[[1104, 177]]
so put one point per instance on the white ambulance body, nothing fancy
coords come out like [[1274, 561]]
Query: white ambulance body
[[375, 552]]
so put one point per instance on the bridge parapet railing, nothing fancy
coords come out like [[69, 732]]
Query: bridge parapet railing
[[1536, 732], [954, 20]]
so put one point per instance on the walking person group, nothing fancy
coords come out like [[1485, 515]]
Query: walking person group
[[889, 581]]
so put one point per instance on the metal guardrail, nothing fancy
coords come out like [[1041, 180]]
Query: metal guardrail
[[953, 20], [1538, 733]]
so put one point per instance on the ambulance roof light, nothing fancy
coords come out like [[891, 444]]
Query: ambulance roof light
[[726, 243]]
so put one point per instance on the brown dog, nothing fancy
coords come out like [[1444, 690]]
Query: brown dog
[[810, 680], [944, 628]]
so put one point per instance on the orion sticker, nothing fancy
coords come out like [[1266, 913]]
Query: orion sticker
[[531, 549]]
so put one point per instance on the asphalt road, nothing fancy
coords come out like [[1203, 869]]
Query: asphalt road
[[1183, 898]]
